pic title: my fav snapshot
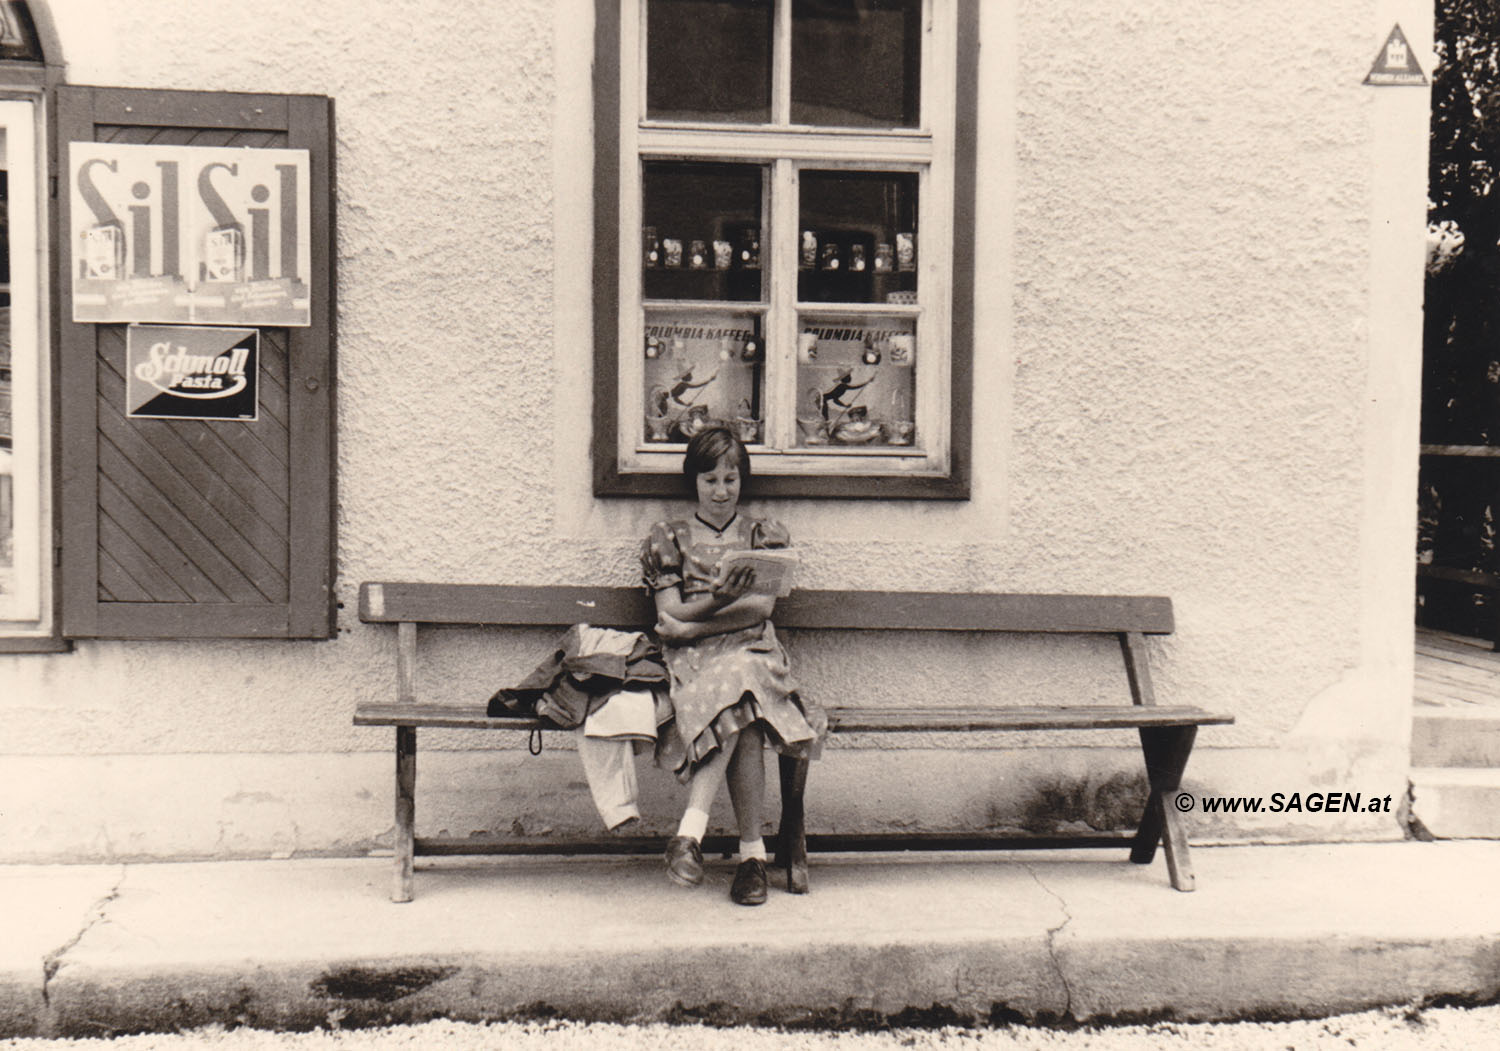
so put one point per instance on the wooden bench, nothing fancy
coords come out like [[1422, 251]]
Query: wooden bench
[[1166, 733]]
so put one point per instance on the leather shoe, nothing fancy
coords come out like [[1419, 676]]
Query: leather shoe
[[749, 887], [684, 861]]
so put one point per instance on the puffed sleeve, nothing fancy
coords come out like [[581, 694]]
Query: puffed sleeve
[[767, 532], [661, 558]]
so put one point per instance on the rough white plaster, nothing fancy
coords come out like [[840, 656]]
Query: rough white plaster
[[1194, 378]]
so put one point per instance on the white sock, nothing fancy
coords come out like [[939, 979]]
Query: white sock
[[694, 824], [753, 848]]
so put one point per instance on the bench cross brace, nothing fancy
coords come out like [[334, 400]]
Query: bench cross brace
[[1166, 750]]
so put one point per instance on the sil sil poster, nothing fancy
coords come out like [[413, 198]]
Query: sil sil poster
[[197, 234], [184, 373]]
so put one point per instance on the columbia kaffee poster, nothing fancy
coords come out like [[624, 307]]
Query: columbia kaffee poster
[[190, 234]]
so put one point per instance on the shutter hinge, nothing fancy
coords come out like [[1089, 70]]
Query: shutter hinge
[[52, 186], [56, 555]]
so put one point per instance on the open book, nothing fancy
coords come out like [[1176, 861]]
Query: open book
[[774, 568]]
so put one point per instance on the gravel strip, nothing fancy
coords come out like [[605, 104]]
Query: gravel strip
[[1433, 1029]]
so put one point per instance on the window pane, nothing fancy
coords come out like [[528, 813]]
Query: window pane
[[856, 380], [858, 237], [701, 231], [703, 368], [857, 63], [709, 60]]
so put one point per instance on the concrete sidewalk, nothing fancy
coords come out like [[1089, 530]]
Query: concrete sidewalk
[[1041, 936]]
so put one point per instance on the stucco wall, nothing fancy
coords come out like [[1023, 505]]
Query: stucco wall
[[1199, 269]]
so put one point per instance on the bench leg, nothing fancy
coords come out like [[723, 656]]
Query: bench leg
[[1166, 750], [791, 838], [406, 812]]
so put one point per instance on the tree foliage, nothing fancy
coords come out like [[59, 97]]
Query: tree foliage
[[1461, 341], [1459, 496], [1466, 114]]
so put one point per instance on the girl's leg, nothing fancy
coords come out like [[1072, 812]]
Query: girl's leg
[[702, 789], [684, 850], [747, 790], [747, 785]]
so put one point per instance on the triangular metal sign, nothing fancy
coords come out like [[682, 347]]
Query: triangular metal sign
[[1396, 64]]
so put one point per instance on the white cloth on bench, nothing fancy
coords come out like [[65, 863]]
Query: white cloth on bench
[[626, 714], [607, 745]]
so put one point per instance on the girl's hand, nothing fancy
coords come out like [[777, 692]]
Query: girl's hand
[[730, 586]]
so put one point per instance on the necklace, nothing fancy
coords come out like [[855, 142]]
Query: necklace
[[718, 530]]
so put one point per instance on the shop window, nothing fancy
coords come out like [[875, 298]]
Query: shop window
[[783, 241]]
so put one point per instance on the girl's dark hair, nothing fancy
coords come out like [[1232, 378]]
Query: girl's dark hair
[[707, 448]]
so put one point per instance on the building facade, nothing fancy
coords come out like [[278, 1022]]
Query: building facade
[[1170, 344]]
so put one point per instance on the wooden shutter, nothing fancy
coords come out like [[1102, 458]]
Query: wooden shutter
[[185, 528]]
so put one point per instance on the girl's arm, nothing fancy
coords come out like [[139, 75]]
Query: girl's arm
[[744, 612], [727, 607], [724, 590]]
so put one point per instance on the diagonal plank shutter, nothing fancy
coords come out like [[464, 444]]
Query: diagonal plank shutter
[[185, 528]]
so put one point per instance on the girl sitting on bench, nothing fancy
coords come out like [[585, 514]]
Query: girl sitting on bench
[[731, 684]]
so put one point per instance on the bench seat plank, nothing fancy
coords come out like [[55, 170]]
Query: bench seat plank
[[1092, 717], [452, 716], [845, 720]]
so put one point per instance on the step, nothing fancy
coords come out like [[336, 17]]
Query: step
[[1456, 737], [1454, 803]]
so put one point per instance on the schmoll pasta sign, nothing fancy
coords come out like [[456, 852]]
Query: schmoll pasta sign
[[192, 373], [200, 234]]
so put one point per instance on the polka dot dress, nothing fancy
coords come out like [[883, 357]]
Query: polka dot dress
[[724, 683]]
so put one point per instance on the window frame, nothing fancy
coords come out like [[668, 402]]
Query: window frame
[[29, 619], [625, 140], [29, 80]]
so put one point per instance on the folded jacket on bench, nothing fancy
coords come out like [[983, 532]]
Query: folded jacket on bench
[[612, 687], [585, 666]]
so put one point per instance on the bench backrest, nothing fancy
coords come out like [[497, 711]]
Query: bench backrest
[[631, 607]]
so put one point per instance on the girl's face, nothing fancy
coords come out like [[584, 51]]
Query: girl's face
[[719, 491]]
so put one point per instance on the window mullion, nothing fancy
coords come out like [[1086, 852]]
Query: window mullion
[[927, 94], [933, 327], [630, 426], [632, 315], [667, 140], [935, 371], [781, 65], [781, 323], [633, 105]]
